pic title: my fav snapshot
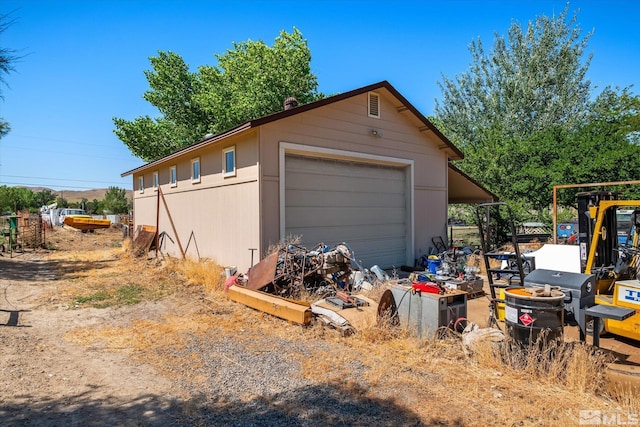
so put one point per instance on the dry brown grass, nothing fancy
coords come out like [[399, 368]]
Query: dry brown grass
[[435, 378]]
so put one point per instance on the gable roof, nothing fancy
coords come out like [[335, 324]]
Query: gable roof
[[452, 151]]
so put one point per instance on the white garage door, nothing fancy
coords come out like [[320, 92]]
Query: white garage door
[[364, 205]]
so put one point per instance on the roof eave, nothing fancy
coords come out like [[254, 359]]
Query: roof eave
[[452, 151]]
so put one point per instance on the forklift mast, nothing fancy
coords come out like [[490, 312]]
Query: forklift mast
[[606, 247]]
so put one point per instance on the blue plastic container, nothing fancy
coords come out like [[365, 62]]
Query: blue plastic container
[[433, 262]]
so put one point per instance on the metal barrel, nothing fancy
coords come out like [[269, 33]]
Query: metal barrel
[[533, 318]]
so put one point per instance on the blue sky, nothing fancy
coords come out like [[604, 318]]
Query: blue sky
[[84, 60]]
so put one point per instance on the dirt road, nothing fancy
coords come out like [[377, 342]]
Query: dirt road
[[47, 380]]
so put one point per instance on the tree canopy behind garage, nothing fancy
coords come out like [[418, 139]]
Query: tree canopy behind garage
[[524, 116], [249, 81]]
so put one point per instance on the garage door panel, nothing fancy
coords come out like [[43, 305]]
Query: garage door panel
[[334, 201], [339, 168], [317, 198], [342, 233], [327, 216], [375, 185]]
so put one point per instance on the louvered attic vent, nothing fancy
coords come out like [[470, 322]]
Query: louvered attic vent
[[374, 105]]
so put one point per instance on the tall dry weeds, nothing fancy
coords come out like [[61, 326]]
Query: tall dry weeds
[[205, 273], [576, 366]]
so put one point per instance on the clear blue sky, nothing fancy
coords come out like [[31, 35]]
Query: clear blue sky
[[84, 60]]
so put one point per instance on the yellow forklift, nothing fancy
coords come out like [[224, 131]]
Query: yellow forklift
[[614, 260]]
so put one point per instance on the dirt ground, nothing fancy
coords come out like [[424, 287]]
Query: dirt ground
[[90, 337], [47, 380]]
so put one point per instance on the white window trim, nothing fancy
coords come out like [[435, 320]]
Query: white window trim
[[376, 94], [193, 179], [156, 180], [141, 184], [173, 171], [225, 173]]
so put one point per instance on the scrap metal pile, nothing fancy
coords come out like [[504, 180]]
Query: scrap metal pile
[[293, 270]]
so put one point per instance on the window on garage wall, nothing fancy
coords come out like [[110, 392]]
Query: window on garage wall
[[173, 176], [195, 170], [229, 161]]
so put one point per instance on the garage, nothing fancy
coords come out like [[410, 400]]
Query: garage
[[363, 167], [366, 205]]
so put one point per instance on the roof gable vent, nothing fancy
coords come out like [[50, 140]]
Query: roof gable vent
[[374, 105]]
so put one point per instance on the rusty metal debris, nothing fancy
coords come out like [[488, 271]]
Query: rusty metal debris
[[290, 274], [293, 270]]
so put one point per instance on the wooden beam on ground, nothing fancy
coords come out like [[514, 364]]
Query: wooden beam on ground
[[293, 311]]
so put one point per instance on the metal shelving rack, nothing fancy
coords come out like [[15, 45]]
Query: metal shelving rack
[[494, 227]]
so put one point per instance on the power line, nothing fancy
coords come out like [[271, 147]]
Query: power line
[[57, 179], [65, 153], [66, 141]]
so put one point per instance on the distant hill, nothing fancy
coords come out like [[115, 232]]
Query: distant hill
[[73, 196]]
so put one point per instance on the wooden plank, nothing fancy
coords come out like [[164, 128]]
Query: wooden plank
[[293, 311]]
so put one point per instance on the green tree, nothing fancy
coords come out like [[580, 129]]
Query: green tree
[[249, 81], [43, 198], [95, 206], [524, 117], [182, 121], [62, 202], [521, 111], [14, 199], [115, 200], [8, 57], [530, 81], [603, 149]]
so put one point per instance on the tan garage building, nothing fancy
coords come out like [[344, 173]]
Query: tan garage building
[[364, 167]]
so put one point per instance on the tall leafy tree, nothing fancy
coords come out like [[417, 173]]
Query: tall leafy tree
[[515, 110], [43, 198], [115, 200], [253, 80], [533, 79], [249, 81], [181, 122], [14, 199]]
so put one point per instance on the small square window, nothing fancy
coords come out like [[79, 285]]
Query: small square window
[[195, 170], [173, 176], [229, 161], [141, 184], [156, 181]]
